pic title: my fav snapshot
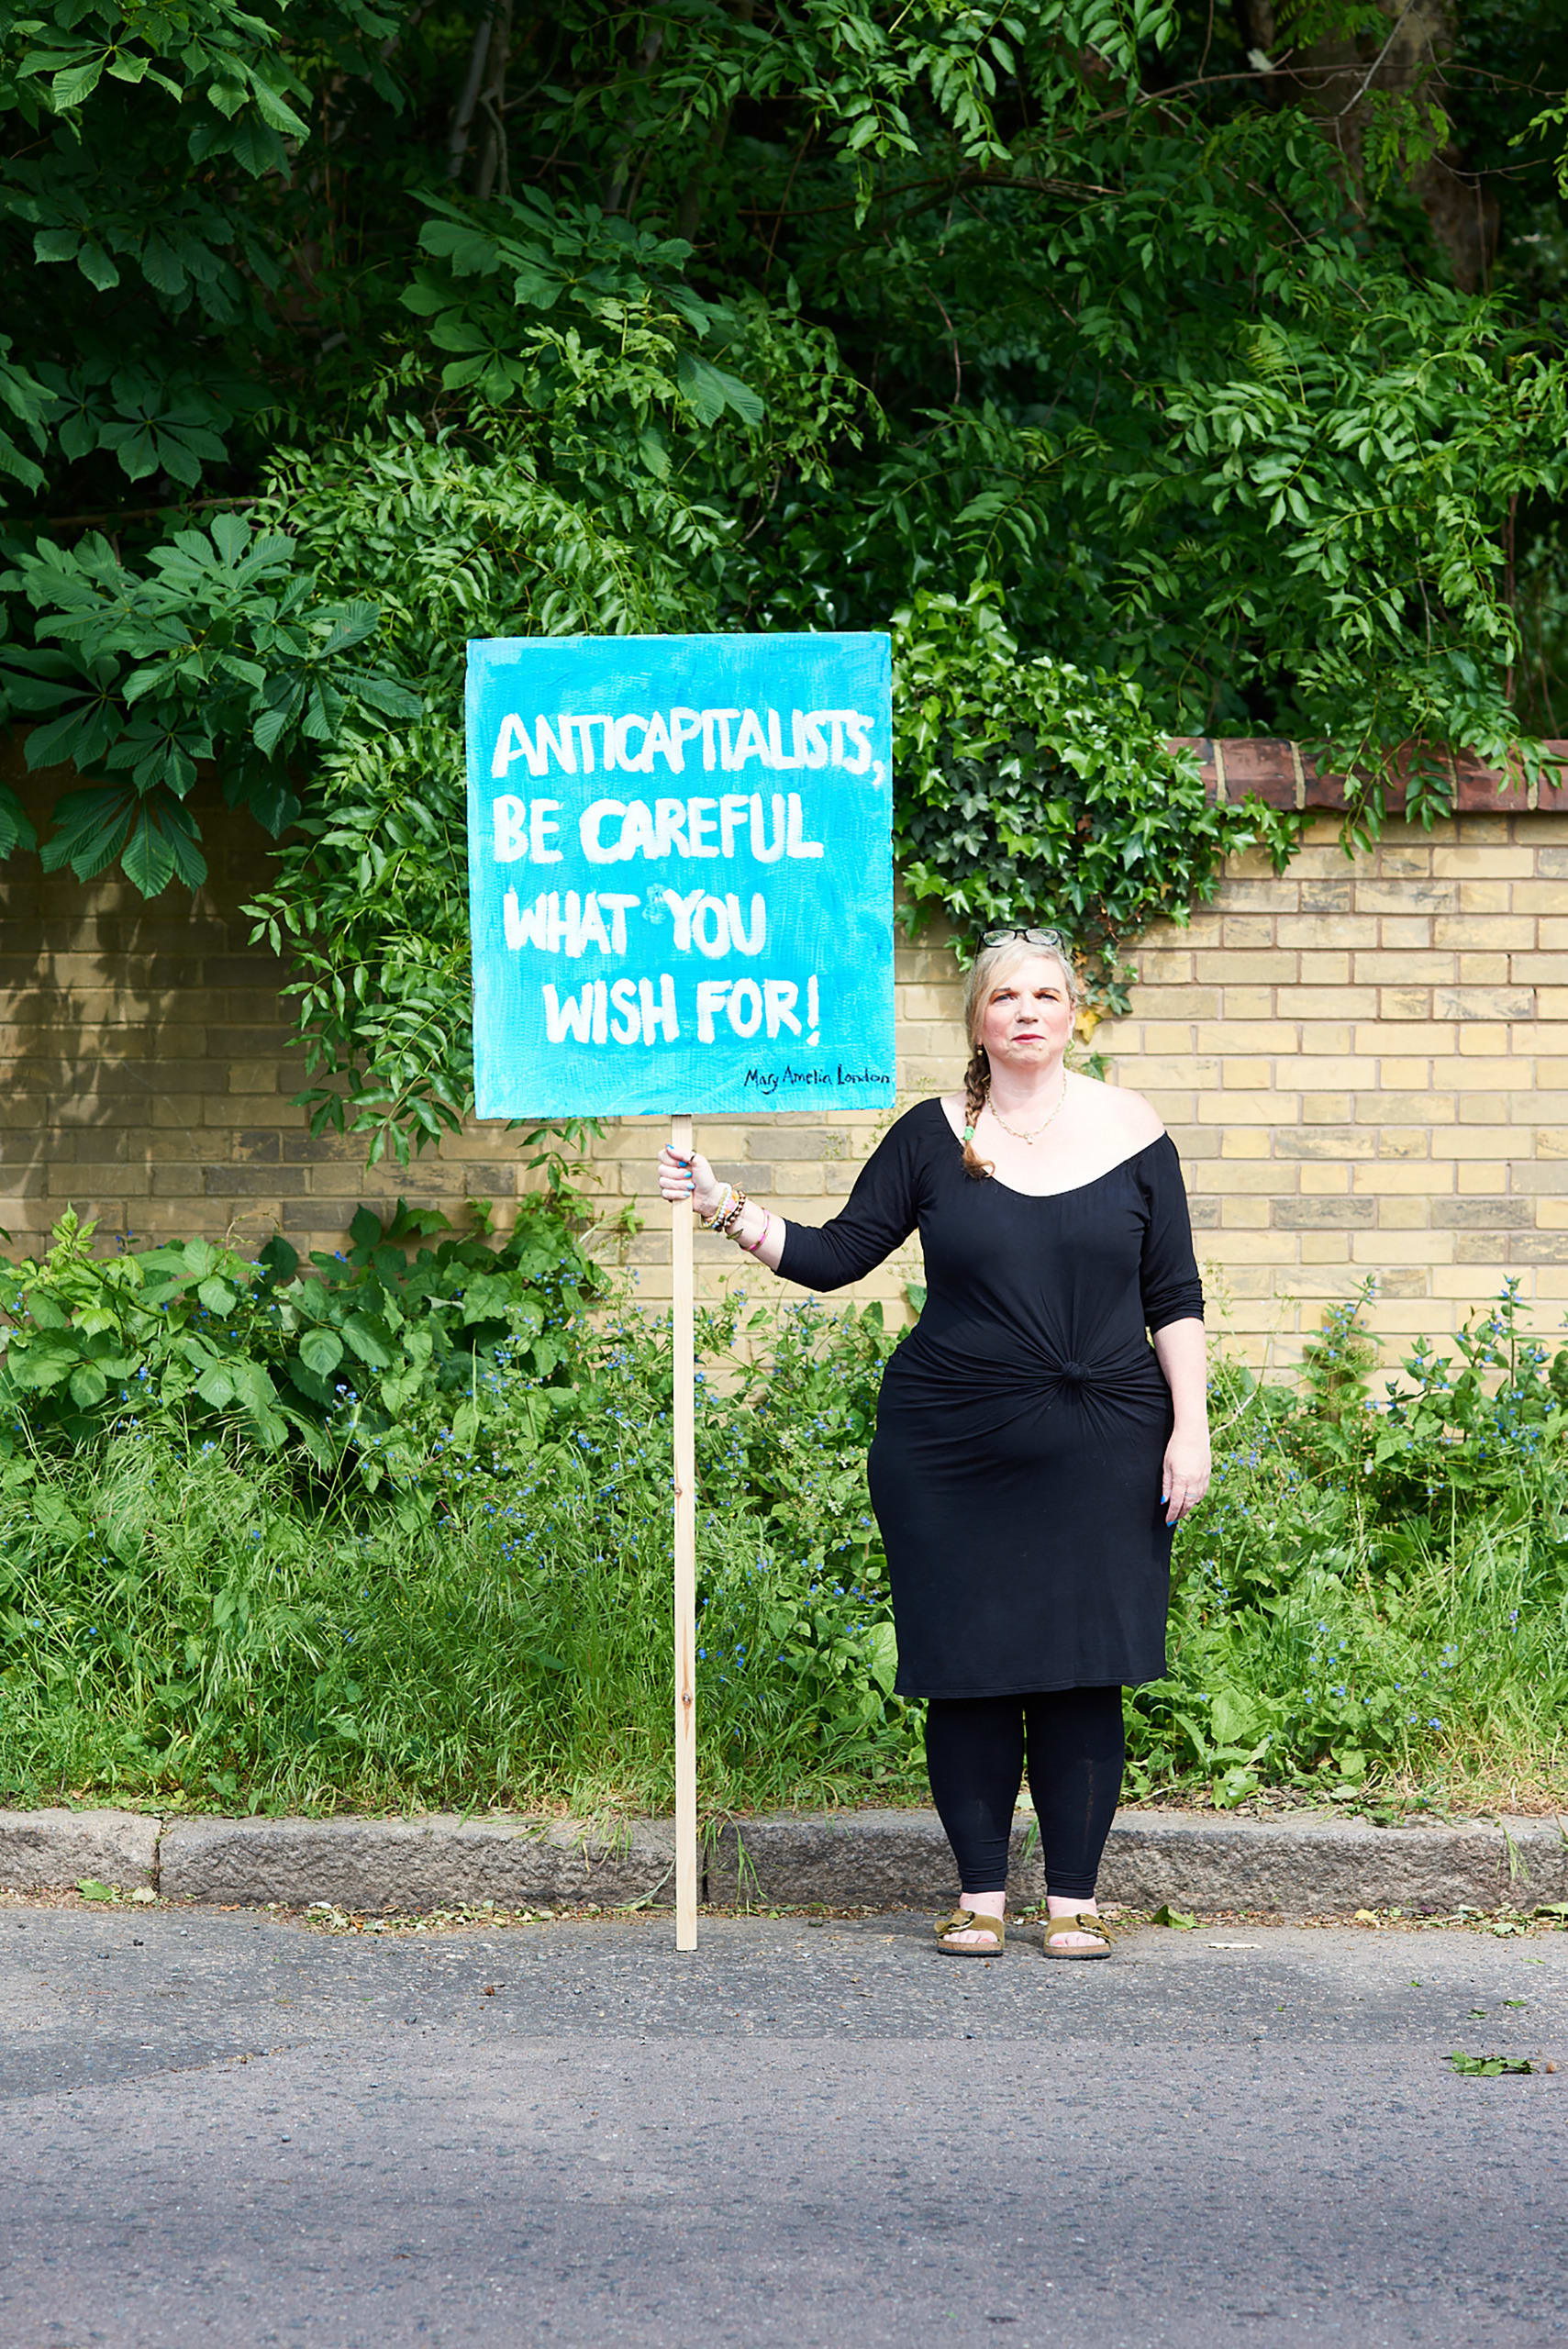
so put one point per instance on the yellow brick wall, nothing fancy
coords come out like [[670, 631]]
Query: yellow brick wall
[[1364, 1065], [148, 1067]]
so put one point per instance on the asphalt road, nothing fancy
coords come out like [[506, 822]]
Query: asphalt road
[[219, 2129]]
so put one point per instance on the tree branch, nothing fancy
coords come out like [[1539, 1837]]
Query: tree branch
[[468, 97]]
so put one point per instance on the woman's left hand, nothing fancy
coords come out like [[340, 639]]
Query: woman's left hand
[[1183, 1480]]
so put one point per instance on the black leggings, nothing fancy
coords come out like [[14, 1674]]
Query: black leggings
[[974, 1753]]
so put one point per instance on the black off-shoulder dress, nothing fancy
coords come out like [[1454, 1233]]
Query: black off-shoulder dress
[[1023, 1423]]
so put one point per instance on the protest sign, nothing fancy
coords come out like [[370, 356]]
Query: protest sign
[[681, 887], [681, 874]]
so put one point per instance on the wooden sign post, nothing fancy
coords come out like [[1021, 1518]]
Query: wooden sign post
[[685, 1577], [680, 890]]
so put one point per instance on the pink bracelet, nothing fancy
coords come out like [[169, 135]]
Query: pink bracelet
[[752, 1246]]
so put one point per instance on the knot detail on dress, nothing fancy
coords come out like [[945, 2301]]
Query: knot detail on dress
[[1074, 1373]]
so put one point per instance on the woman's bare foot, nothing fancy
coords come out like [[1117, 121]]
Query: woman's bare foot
[[981, 1904], [1065, 1906]]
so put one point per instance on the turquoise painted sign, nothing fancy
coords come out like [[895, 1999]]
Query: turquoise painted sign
[[681, 874]]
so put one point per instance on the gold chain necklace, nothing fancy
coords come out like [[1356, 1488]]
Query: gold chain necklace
[[1035, 1136]]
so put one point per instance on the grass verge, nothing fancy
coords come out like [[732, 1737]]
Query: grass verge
[[1372, 1606]]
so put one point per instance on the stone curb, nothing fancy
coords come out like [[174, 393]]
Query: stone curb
[[852, 1859], [42, 1849], [436, 1861], [1303, 1864], [1306, 1865]]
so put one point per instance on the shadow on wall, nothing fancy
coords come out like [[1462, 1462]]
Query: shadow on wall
[[150, 1067], [144, 1046]]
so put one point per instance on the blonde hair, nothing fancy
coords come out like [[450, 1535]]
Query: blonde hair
[[988, 969]]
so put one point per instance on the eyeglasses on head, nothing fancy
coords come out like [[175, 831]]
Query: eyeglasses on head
[[1030, 937]]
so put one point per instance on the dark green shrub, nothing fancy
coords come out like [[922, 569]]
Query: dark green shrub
[[338, 1368]]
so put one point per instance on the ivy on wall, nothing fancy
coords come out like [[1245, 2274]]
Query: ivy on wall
[[1030, 792]]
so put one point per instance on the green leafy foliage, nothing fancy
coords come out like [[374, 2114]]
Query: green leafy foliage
[[1337, 431], [190, 254], [152, 423], [221, 650], [193, 1617], [370, 895], [1034, 794], [611, 288], [334, 1370], [26, 402], [209, 55], [399, 1532], [1366, 1574], [1158, 398]]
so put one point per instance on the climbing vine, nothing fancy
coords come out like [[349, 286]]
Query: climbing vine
[[1030, 792]]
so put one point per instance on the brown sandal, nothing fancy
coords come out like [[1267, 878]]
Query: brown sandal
[[1080, 1921], [970, 1920]]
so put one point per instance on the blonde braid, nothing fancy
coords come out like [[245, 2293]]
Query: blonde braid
[[976, 1092]]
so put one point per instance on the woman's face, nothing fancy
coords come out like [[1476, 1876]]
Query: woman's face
[[1029, 1015]]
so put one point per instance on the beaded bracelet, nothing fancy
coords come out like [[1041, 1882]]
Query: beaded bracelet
[[710, 1222], [724, 1223]]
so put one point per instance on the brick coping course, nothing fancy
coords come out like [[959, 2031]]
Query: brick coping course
[[1280, 772]]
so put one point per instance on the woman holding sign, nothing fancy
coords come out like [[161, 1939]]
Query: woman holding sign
[[1033, 1452]]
